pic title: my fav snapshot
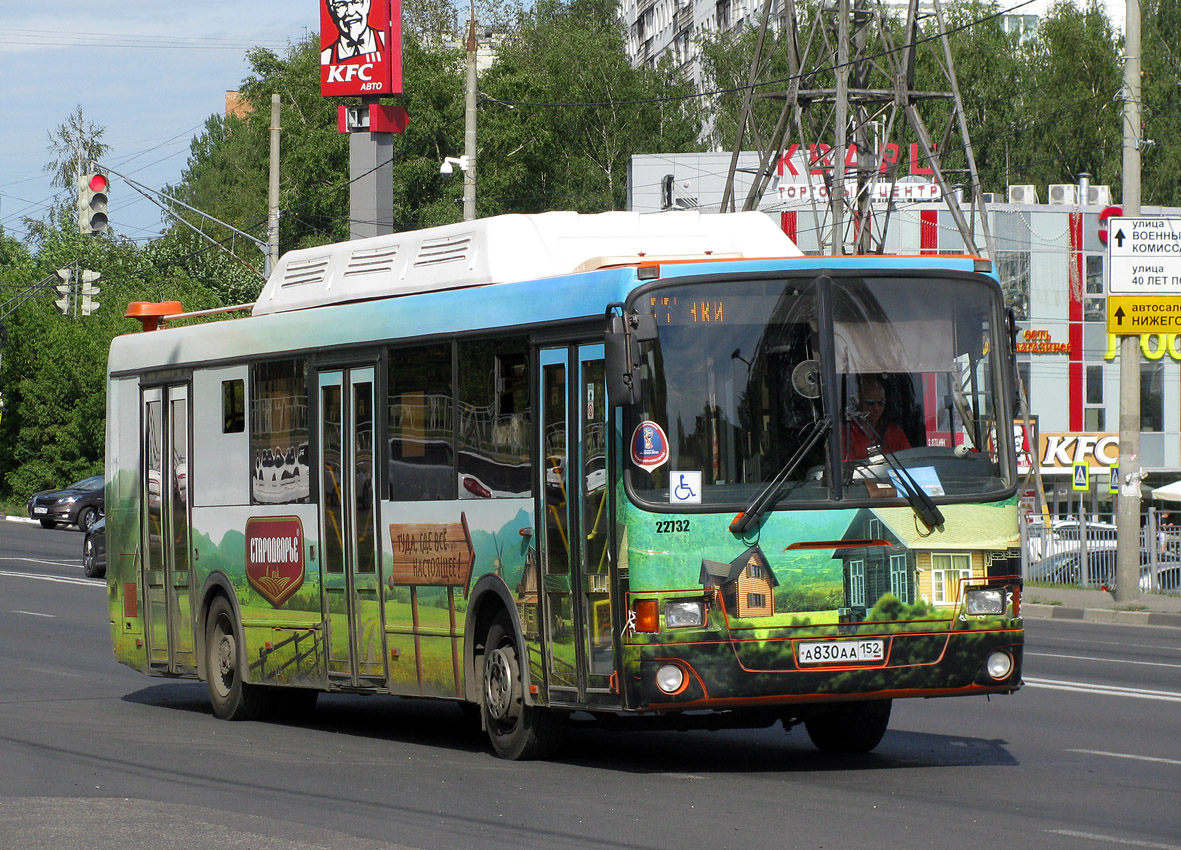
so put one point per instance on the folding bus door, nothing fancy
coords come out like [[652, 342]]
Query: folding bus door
[[348, 529], [575, 533], [164, 468]]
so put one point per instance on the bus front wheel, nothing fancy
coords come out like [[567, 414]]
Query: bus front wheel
[[231, 697], [517, 730], [851, 727]]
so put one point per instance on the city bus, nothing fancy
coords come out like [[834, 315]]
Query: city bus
[[641, 471]]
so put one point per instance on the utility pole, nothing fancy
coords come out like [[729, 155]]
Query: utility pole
[[844, 111], [273, 190], [1127, 570], [469, 128]]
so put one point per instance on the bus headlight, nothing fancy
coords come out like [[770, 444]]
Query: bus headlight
[[684, 615], [1000, 665], [670, 678], [985, 600]]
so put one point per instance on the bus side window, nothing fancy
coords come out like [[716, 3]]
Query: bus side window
[[421, 407], [494, 433], [233, 406]]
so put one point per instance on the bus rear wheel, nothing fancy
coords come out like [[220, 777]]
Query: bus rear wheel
[[231, 697], [852, 727], [517, 731]]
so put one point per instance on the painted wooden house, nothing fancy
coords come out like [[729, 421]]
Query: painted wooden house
[[747, 584]]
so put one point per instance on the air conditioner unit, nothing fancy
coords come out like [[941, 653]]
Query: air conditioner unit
[[1099, 196], [1022, 194], [1064, 193]]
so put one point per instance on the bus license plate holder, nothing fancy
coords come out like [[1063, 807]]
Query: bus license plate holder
[[864, 651]]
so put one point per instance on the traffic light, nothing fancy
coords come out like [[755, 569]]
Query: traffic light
[[63, 289], [92, 203], [88, 291]]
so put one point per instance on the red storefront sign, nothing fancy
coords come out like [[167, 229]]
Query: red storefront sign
[[360, 47]]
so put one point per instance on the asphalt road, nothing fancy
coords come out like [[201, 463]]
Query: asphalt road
[[94, 755]]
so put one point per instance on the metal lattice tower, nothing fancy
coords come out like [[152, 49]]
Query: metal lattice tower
[[851, 82]]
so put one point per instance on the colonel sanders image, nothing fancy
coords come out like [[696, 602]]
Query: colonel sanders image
[[356, 38]]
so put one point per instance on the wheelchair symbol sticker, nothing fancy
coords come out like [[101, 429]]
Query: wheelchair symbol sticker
[[684, 488]]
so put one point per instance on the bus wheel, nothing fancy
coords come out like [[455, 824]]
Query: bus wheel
[[232, 698], [517, 730], [853, 727]]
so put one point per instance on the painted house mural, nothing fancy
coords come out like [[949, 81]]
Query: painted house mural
[[747, 583], [889, 554]]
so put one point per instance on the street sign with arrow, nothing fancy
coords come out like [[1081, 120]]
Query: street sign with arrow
[[1144, 257]]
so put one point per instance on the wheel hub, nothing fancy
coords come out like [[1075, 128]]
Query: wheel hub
[[498, 684]]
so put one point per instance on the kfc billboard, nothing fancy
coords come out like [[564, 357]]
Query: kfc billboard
[[360, 47]]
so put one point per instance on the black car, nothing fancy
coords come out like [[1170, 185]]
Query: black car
[[79, 504], [94, 549]]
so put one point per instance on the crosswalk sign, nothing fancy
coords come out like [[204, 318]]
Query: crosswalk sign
[[1113, 484], [1082, 474]]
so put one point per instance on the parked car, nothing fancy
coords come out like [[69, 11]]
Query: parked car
[[94, 549], [79, 504]]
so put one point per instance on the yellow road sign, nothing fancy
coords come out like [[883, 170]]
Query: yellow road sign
[[1143, 314]]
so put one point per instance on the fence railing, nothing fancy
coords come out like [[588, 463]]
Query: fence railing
[[1083, 553]]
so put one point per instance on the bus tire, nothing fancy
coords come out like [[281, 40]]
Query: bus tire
[[225, 658], [852, 727], [517, 731]]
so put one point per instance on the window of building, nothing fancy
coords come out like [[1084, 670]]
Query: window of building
[[899, 577], [756, 600], [279, 432], [494, 432], [1094, 414], [1094, 304], [421, 410], [233, 406], [1152, 396], [948, 572], [1012, 268], [755, 571], [857, 582]]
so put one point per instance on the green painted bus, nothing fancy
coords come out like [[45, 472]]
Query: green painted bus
[[654, 471]]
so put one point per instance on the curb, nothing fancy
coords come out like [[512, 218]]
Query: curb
[[1101, 615], [24, 519]]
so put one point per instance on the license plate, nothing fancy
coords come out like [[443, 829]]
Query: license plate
[[40, 510], [840, 651]]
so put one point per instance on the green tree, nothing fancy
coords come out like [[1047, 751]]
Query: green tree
[[1073, 111], [1161, 96], [564, 111]]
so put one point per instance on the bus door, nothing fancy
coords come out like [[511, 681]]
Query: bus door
[[164, 484], [573, 545], [348, 529]]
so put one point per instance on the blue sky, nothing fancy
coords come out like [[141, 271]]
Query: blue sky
[[150, 73]]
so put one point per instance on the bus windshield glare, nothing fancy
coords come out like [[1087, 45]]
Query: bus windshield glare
[[903, 375]]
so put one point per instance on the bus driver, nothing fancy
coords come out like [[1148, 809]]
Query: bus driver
[[870, 426]]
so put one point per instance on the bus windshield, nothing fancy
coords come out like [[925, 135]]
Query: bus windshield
[[903, 376]]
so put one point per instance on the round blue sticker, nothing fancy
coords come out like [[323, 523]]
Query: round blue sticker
[[649, 445]]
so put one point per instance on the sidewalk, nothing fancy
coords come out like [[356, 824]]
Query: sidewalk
[[1099, 606]]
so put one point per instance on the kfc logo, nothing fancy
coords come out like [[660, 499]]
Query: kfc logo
[[360, 47]]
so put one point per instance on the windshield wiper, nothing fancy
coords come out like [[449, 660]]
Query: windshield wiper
[[771, 493], [916, 496]]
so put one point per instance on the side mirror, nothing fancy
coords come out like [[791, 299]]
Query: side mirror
[[621, 352]]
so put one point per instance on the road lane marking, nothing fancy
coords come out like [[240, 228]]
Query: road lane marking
[[1113, 839], [1126, 756], [36, 614], [1107, 660], [1105, 690], [70, 563], [89, 582]]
